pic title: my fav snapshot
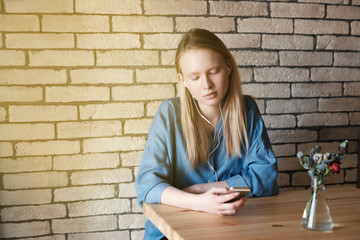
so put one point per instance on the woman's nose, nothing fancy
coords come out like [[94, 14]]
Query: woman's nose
[[207, 83]]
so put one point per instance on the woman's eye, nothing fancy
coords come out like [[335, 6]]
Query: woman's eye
[[195, 78]]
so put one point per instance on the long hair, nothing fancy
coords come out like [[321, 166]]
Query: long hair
[[197, 138]]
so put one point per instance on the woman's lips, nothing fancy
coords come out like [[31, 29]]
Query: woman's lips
[[210, 95]]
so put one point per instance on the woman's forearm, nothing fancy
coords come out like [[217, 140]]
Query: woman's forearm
[[179, 198], [204, 187]]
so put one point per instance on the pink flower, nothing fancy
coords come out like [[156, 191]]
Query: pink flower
[[335, 168]]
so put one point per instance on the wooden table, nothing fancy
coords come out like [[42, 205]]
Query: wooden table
[[275, 217]]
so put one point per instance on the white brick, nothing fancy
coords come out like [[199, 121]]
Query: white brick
[[75, 23], [161, 41], [127, 190], [296, 10], [77, 94], [47, 148], [2, 115], [347, 58], [291, 106], [316, 90], [284, 150], [26, 131], [111, 111], [136, 207], [289, 164], [355, 27], [12, 58], [108, 41], [131, 159], [327, 1], [28, 164], [352, 89], [264, 25], [127, 58], [327, 74], [152, 107], [20, 94], [279, 74], [168, 58], [61, 58], [267, 90], [321, 27], [142, 24], [52, 237], [156, 75], [25, 23], [35, 180], [355, 118], [143, 92], [131, 221], [39, 6], [339, 104], [114, 144], [292, 58], [113, 235], [240, 40], [290, 136], [101, 176], [86, 161], [255, 58], [108, 6], [282, 121], [137, 235], [89, 129], [33, 212], [323, 119], [101, 76], [246, 74], [138, 126], [214, 24], [86, 224], [32, 76], [98, 207], [287, 42], [26, 229], [39, 40], [183, 7], [248, 8], [26, 113], [83, 193], [6, 149], [25, 197], [338, 43], [343, 12]]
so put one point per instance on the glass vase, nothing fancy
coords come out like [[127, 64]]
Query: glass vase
[[316, 216]]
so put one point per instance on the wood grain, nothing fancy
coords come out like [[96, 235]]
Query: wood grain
[[275, 217]]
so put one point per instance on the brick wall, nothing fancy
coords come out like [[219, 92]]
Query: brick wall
[[80, 81]]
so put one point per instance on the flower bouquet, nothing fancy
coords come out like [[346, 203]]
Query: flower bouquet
[[320, 165], [316, 214]]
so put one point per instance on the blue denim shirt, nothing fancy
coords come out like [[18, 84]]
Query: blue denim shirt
[[164, 160]]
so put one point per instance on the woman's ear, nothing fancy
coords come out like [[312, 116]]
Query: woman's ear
[[229, 66], [181, 79]]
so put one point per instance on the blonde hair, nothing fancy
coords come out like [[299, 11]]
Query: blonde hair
[[197, 138]]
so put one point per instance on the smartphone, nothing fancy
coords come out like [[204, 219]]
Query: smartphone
[[242, 190]]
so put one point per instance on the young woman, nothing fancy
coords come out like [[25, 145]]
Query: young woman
[[209, 139]]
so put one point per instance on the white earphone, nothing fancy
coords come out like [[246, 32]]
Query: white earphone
[[185, 84]]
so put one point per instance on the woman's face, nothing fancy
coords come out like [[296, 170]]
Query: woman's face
[[206, 75]]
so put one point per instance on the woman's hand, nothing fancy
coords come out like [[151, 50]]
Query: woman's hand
[[216, 201]]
